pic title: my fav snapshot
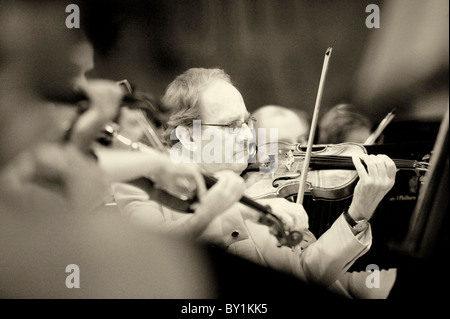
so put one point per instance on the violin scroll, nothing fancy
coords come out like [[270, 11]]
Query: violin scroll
[[284, 237]]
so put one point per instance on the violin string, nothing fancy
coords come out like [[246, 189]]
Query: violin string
[[343, 160]]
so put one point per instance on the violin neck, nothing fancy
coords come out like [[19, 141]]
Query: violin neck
[[345, 162], [210, 181]]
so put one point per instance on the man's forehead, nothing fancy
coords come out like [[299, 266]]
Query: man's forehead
[[219, 91], [221, 99]]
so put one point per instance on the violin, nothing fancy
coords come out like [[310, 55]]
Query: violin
[[331, 175]]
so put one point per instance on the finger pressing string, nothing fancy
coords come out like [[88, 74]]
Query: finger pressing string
[[371, 163], [391, 168], [381, 165], [359, 167]]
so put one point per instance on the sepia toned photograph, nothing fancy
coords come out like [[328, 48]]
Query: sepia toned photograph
[[225, 158]]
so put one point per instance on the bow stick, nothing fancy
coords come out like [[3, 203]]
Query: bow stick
[[302, 185], [387, 119]]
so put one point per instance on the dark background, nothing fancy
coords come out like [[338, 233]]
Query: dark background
[[274, 50]]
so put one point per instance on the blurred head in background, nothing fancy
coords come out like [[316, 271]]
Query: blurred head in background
[[292, 125], [344, 123]]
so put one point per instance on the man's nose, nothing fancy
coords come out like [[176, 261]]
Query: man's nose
[[245, 134]]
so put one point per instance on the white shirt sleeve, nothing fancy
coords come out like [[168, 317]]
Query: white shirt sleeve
[[321, 262]]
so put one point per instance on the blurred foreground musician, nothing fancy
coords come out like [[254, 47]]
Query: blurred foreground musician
[[50, 186]]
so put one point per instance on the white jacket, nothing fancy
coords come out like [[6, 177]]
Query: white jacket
[[322, 261]]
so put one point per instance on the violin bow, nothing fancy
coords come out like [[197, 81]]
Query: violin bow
[[302, 185], [387, 119]]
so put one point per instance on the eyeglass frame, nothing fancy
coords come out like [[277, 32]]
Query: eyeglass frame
[[251, 118]]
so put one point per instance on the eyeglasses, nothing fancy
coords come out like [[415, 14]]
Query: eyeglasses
[[235, 124]]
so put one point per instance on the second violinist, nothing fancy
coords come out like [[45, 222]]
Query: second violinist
[[210, 111]]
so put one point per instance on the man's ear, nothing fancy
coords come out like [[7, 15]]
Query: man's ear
[[184, 136]]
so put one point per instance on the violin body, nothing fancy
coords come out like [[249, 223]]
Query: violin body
[[325, 184]]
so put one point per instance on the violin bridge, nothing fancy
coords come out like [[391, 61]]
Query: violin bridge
[[289, 160]]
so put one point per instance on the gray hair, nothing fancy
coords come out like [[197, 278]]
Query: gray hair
[[182, 96]]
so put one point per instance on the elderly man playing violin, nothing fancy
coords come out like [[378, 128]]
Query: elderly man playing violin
[[211, 127]]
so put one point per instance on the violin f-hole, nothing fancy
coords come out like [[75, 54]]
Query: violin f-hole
[[285, 178]]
